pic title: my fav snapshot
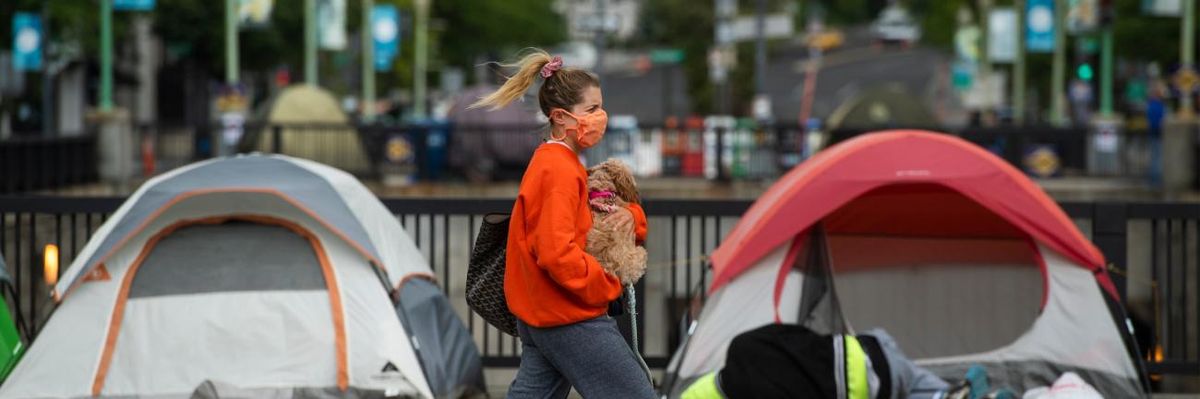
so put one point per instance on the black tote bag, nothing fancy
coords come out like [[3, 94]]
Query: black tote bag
[[485, 274]]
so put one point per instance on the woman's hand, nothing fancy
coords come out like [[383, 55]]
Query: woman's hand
[[621, 220]]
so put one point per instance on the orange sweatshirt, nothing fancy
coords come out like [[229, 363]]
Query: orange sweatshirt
[[640, 225], [548, 279]]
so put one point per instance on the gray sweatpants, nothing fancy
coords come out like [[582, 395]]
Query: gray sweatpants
[[589, 355]]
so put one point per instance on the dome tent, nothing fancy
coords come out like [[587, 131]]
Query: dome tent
[[954, 252], [261, 274], [312, 126]]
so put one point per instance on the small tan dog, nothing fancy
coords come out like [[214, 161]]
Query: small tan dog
[[611, 189]]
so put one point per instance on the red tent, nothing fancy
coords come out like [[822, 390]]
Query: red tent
[[954, 252], [955, 182]]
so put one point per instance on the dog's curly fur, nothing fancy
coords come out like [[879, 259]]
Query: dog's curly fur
[[616, 250]]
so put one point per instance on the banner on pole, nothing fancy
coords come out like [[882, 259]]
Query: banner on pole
[[1039, 26], [331, 24], [133, 5], [385, 33], [1002, 35], [254, 13], [27, 42]]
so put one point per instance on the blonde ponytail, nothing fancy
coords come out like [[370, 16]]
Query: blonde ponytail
[[528, 69]]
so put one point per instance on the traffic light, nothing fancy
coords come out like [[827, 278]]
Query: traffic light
[[1085, 72]]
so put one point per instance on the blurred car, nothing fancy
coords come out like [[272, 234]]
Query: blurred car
[[896, 26], [825, 40]]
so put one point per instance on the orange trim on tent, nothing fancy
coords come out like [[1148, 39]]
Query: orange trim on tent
[[194, 193], [335, 299], [98, 273], [400, 285]]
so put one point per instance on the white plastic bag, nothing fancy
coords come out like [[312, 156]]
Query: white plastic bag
[[1069, 386]]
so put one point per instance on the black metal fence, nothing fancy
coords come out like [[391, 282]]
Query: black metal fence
[[1154, 247], [36, 163]]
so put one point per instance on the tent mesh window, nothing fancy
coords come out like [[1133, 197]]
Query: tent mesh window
[[944, 275], [226, 258]]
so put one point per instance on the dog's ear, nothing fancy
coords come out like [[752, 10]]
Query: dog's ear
[[623, 181]]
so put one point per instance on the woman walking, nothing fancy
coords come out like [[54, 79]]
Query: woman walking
[[558, 292]]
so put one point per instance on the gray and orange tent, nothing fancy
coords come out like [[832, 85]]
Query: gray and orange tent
[[954, 252], [252, 276]]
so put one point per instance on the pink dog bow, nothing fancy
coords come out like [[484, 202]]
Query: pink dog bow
[[601, 194], [551, 67]]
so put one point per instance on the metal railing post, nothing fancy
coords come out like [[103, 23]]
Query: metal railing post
[[1110, 231], [276, 139], [722, 174]]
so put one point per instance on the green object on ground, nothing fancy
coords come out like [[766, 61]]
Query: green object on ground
[[11, 347]]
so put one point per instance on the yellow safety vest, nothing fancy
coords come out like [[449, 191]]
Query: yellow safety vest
[[855, 373]]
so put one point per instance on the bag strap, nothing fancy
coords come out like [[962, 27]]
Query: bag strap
[[879, 363]]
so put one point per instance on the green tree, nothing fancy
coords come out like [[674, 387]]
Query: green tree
[[494, 29], [688, 25]]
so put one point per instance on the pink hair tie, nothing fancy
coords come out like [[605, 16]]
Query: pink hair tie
[[551, 67]]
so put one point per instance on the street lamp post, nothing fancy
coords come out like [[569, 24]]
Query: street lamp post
[[1018, 83], [1106, 72], [598, 38], [47, 75], [760, 47], [1058, 74], [106, 40], [231, 42], [422, 57], [1186, 53], [368, 63], [310, 42]]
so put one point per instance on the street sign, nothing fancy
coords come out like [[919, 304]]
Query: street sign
[[1185, 80], [966, 43], [27, 42], [331, 24], [962, 75], [717, 70], [1039, 26], [666, 56], [746, 28], [1083, 16], [596, 22], [385, 32], [1002, 35], [1163, 8], [1042, 160], [727, 8], [133, 5]]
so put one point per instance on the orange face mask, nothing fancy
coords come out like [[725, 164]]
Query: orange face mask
[[588, 129]]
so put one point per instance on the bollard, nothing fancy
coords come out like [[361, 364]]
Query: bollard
[[1178, 155]]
